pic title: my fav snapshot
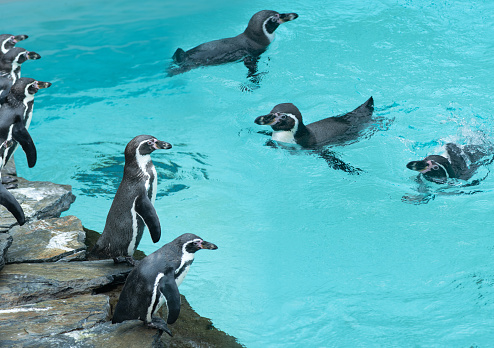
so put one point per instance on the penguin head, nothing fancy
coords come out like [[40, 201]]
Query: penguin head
[[283, 117], [25, 86], [8, 41], [434, 168], [144, 145], [262, 25], [18, 55], [190, 243]]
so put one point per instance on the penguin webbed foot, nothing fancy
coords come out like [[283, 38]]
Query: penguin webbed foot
[[160, 324], [336, 163], [250, 63], [8, 180], [126, 259], [417, 199]]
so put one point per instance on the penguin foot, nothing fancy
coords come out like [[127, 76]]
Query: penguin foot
[[8, 180], [127, 259], [160, 324]]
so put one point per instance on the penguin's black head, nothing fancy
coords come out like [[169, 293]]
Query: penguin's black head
[[8, 41], [27, 86], [434, 168], [19, 55], [262, 25], [191, 243], [283, 117], [144, 145]]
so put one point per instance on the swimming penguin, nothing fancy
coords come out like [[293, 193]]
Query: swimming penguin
[[15, 118], [155, 280], [132, 207], [247, 46], [6, 198], [286, 121], [10, 68], [457, 163], [8, 41]]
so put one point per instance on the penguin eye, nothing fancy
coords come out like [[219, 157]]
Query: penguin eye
[[435, 167], [283, 117], [150, 142], [274, 19]]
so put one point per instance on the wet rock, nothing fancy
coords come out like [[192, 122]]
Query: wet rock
[[48, 240], [24, 283], [9, 168], [5, 242], [39, 200], [48, 318]]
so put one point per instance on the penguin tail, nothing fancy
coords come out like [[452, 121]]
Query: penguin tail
[[179, 56]]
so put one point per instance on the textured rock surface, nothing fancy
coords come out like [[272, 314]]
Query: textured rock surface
[[5, 242], [24, 283], [48, 240], [47, 318], [39, 200]]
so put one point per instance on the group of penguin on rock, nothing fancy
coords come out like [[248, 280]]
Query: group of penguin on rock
[[155, 279]]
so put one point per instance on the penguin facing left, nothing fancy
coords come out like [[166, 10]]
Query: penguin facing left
[[8, 41], [133, 206], [10, 68], [247, 46], [155, 281]]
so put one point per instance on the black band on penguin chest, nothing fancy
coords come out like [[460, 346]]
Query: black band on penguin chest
[[183, 268]]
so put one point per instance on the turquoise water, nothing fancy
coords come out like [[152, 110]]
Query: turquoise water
[[308, 256]]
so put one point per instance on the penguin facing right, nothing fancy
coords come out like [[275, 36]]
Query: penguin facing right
[[247, 46], [8, 41], [288, 127], [133, 205], [155, 281]]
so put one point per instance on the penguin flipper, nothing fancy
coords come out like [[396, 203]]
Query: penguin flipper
[[179, 56], [146, 211], [9, 202], [169, 287], [21, 135]]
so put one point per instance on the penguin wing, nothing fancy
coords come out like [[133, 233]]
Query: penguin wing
[[458, 162], [9, 202], [169, 288], [146, 210], [21, 135]]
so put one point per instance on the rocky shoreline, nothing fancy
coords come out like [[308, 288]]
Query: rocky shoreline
[[50, 296]]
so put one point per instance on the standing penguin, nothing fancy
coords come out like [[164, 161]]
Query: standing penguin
[[132, 207], [8, 41], [155, 280], [286, 121], [6, 198], [10, 68], [15, 118], [247, 46]]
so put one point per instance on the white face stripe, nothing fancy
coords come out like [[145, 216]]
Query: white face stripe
[[268, 35], [186, 257], [4, 50], [132, 244], [142, 162], [15, 65], [149, 313], [286, 136], [28, 116]]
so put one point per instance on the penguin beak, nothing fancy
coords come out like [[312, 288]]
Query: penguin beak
[[18, 38], [267, 120], [418, 166], [163, 145], [33, 56], [43, 84], [287, 17], [207, 245]]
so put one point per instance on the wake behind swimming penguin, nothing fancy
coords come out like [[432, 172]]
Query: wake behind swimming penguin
[[288, 128], [457, 163], [155, 281], [133, 205], [247, 46]]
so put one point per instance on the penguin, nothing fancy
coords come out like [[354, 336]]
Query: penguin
[[132, 207], [15, 118], [247, 46], [8, 41], [10, 68], [155, 280], [6, 198], [457, 163], [288, 127]]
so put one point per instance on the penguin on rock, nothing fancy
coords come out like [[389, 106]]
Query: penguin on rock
[[133, 206]]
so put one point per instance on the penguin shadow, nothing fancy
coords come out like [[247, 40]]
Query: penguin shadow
[[450, 175]]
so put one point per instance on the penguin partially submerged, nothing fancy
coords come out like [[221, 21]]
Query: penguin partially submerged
[[155, 281], [457, 163], [10, 68], [8, 41], [133, 206], [247, 46]]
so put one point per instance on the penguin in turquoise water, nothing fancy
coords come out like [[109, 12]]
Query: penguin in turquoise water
[[247, 46], [133, 206], [155, 281], [8, 41]]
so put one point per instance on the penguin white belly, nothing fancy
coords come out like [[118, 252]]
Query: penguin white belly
[[284, 137], [29, 98], [132, 244], [154, 295]]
